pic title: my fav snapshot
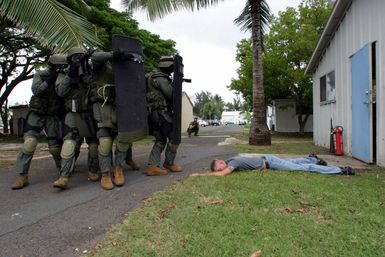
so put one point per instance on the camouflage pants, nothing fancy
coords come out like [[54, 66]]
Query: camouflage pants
[[71, 148], [160, 144], [35, 124], [106, 137]]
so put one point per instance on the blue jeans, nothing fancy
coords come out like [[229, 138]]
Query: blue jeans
[[302, 164]]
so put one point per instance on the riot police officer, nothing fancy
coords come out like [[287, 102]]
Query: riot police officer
[[74, 87], [102, 97], [160, 106], [45, 108]]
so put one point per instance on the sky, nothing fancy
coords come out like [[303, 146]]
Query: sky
[[206, 39]]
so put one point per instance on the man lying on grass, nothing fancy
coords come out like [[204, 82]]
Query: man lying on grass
[[311, 164]]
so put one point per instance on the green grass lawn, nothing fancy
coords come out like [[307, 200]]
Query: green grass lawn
[[281, 144], [278, 213]]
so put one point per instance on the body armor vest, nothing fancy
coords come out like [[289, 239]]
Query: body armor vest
[[48, 103], [77, 99], [102, 88], [155, 98]]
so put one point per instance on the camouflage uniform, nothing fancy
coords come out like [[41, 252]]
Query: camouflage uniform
[[104, 111], [74, 87], [45, 108], [159, 98]]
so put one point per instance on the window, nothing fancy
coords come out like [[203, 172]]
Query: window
[[328, 87]]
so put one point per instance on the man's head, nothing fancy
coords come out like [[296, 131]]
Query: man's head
[[195, 119], [218, 165]]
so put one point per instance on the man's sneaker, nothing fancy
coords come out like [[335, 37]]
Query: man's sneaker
[[93, 176], [118, 175], [20, 182], [106, 182], [61, 183], [347, 171], [133, 164], [319, 160], [153, 170], [173, 168]]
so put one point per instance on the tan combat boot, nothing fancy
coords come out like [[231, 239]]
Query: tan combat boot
[[173, 168], [20, 182], [93, 176], [106, 182], [133, 164], [153, 170], [61, 183], [118, 175]]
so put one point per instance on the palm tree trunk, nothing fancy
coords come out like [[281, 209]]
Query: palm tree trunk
[[259, 132]]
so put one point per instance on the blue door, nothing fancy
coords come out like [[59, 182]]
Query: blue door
[[361, 105]]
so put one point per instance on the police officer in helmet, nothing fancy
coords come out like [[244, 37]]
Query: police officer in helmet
[[160, 105]]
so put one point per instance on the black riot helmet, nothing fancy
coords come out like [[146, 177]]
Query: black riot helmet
[[166, 64], [75, 53]]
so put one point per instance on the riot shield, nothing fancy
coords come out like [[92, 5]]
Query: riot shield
[[177, 99], [130, 89]]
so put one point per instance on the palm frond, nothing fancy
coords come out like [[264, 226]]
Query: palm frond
[[244, 19], [52, 23], [160, 8]]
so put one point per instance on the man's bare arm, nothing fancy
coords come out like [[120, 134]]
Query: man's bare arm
[[221, 173]]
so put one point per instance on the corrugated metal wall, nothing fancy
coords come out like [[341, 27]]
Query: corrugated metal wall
[[363, 24]]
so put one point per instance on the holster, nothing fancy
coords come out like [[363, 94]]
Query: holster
[[91, 124]]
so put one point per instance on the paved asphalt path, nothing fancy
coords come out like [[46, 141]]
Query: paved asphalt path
[[40, 220]]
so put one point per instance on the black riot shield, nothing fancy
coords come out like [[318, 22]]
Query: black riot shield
[[177, 98], [130, 89]]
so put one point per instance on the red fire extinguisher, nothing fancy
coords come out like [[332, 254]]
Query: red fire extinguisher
[[338, 140]]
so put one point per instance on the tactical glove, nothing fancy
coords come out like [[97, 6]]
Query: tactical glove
[[51, 79], [122, 55], [74, 70]]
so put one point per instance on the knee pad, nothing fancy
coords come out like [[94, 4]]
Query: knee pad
[[93, 150], [68, 149], [122, 146], [173, 147], [54, 151], [29, 145], [105, 146]]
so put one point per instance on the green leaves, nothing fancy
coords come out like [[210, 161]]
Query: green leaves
[[52, 23], [160, 8]]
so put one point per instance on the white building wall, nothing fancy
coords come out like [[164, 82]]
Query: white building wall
[[232, 116], [187, 112], [286, 119], [362, 24]]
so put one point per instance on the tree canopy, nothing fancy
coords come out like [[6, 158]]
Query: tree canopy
[[108, 22], [208, 106], [52, 23], [288, 48]]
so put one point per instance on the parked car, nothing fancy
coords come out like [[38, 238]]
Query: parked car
[[203, 123], [213, 123], [241, 122], [227, 122]]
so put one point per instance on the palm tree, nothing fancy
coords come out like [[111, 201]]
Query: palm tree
[[52, 23], [253, 17]]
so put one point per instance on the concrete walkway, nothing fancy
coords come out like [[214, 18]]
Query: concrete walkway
[[332, 160]]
